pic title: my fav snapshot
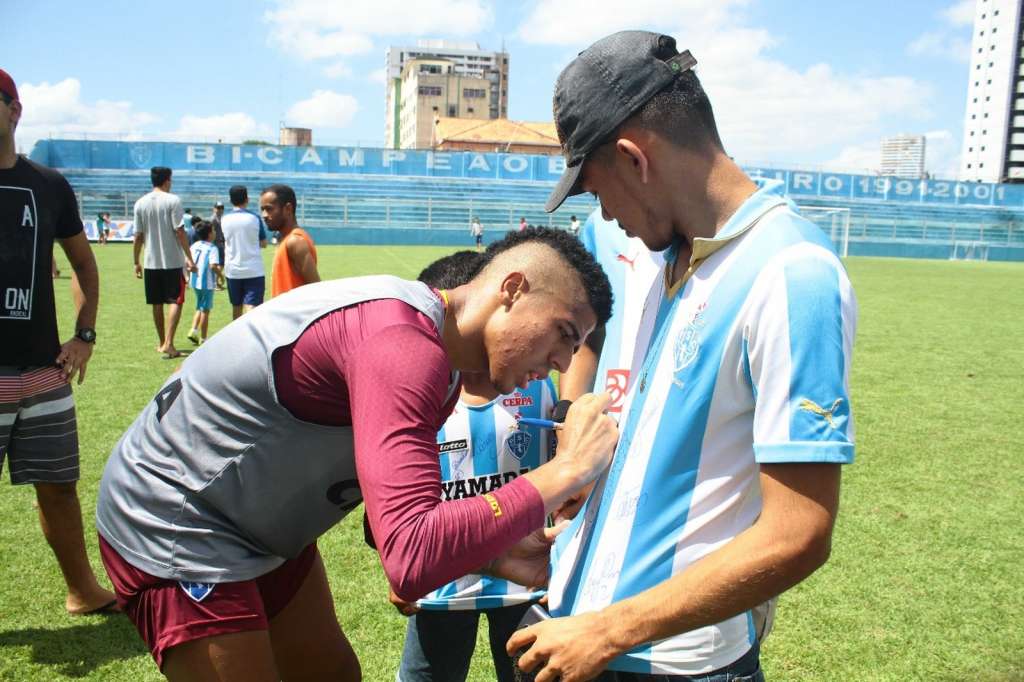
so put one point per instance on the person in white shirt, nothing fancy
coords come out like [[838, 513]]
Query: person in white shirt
[[477, 230], [574, 227], [244, 236], [159, 227]]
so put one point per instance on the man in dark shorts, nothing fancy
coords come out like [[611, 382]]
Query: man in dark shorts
[[159, 227], [38, 431], [218, 237], [244, 237], [328, 395]]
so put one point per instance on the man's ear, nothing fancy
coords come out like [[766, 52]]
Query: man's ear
[[636, 157], [15, 107], [513, 287]]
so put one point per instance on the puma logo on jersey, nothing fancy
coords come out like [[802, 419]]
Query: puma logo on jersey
[[815, 408], [631, 262]]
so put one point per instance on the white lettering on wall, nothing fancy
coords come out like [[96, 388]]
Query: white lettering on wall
[[199, 153]]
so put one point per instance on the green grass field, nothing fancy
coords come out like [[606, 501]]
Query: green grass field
[[926, 579]]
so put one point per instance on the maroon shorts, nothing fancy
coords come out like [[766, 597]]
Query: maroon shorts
[[167, 613]]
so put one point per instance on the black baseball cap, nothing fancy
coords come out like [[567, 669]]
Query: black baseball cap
[[606, 84]]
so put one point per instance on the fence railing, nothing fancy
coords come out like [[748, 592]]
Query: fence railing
[[381, 212], [374, 212]]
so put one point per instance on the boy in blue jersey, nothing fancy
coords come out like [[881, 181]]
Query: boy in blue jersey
[[480, 448], [203, 280], [724, 487]]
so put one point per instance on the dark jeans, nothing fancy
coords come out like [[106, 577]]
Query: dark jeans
[[439, 644], [746, 669]]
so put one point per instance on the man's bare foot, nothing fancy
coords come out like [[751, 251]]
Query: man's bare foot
[[98, 602]]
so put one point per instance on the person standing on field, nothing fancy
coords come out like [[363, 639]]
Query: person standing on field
[[244, 236], [295, 257], [38, 427], [477, 230], [724, 488], [159, 228], [218, 239]]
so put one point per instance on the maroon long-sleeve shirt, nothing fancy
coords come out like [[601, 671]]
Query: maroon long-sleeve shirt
[[380, 366]]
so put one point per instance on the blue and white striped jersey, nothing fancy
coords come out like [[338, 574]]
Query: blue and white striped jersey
[[204, 255], [631, 268], [480, 450], [746, 363]]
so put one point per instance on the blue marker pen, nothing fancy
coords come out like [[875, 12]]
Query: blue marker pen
[[539, 423]]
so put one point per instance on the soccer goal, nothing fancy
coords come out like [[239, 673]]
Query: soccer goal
[[835, 222], [969, 251]]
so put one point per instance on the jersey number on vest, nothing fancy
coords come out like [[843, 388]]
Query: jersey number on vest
[[166, 397]]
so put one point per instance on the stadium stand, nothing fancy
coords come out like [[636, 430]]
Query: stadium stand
[[411, 208]]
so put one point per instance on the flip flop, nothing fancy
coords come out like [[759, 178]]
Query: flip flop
[[169, 356], [108, 608]]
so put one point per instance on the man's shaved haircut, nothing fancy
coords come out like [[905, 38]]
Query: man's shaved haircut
[[550, 255]]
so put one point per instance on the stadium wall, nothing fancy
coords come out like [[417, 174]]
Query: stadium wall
[[381, 196]]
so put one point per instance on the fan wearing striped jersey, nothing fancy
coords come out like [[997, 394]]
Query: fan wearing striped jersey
[[480, 448], [724, 487]]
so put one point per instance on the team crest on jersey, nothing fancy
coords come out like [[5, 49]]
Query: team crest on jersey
[[197, 592], [687, 346], [518, 443], [141, 155]]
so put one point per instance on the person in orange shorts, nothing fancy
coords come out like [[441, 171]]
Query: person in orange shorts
[[295, 258]]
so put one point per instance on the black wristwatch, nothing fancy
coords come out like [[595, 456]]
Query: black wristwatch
[[86, 334]]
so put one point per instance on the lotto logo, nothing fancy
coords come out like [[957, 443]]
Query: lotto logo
[[617, 383]]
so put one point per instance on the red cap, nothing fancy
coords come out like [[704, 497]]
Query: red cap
[[7, 85]]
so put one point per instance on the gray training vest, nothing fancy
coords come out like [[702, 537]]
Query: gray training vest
[[215, 481]]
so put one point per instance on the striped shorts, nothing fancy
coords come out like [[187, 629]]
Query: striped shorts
[[38, 430]]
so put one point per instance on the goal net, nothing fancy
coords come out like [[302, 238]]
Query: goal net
[[835, 222], [969, 251]]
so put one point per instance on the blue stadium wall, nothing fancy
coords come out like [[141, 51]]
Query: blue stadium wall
[[890, 210]]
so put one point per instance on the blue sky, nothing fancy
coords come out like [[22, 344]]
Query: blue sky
[[798, 84]]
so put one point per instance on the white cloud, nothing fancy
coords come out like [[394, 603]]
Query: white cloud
[[765, 108], [858, 158], [942, 153], [58, 110], [949, 41], [960, 13], [942, 44], [324, 109], [941, 156], [312, 29], [338, 69], [581, 22], [233, 126], [378, 76]]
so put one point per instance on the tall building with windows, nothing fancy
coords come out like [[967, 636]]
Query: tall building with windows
[[431, 89], [993, 146], [903, 156], [471, 69]]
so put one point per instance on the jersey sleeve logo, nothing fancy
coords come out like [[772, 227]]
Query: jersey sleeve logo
[[518, 443], [814, 408]]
